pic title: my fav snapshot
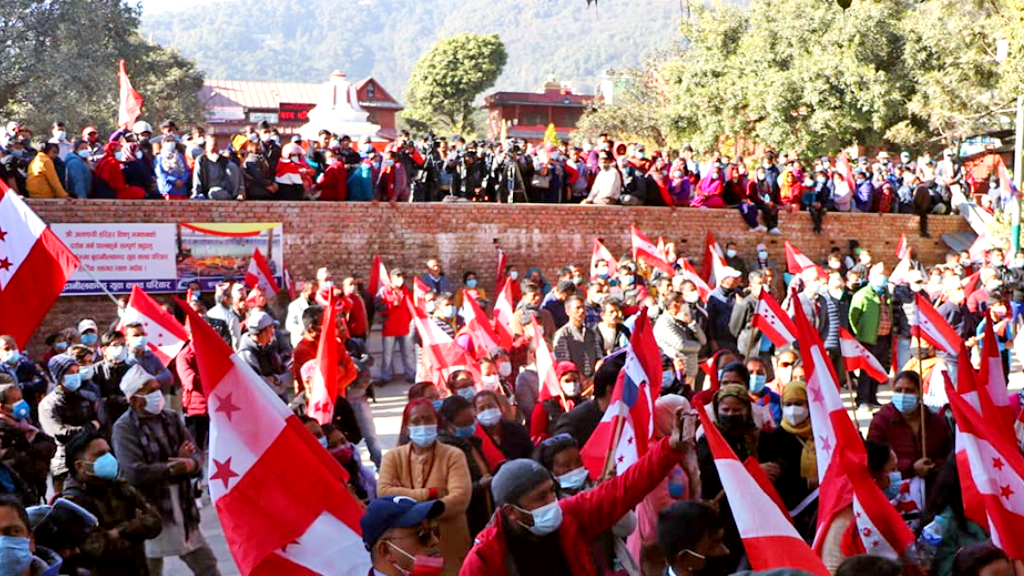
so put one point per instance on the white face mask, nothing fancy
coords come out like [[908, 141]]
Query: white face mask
[[154, 402], [691, 297], [117, 353], [795, 415], [504, 369], [490, 382]]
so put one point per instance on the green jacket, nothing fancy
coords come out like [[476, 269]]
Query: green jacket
[[865, 312]]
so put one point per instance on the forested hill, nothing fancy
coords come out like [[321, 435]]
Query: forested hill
[[304, 40]]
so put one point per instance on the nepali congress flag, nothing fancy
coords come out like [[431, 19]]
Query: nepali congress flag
[[378, 276], [690, 273], [503, 311], [842, 461], [550, 387], [772, 321], [479, 327], [931, 326], [602, 253], [259, 274], [645, 251], [769, 537], [628, 423], [164, 334], [796, 262], [902, 249], [992, 380], [280, 496], [996, 471], [323, 391], [713, 260], [857, 357], [34, 267], [441, 355], [130, 107]]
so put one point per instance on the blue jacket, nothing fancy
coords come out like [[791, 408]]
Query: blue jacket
[[360, 183], [77, 176], [165, 180], [864, 195]]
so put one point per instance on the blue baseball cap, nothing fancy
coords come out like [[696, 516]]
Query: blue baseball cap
[[384, 514]]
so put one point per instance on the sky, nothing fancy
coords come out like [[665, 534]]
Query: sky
[[157, 6]]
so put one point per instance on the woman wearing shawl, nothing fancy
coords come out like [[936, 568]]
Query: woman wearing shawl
[[709, 190], [791, 447], [657, 180], [171, 171], [534, 275], [679, 185]]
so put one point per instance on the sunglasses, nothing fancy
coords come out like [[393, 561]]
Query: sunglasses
[[785, 364], [425, 536]]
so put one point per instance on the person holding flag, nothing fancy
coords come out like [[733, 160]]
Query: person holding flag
[[903, 425]]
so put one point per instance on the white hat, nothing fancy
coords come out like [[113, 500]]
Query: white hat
[[730, 272], [258, 321], [134, 379], [883, 155], [87, 324], [322, 273]]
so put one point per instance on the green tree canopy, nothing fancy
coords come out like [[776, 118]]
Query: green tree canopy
[[60, 63], [447, 79]]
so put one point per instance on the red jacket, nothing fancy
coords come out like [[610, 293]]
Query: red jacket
[[355, 316], [193, 400], [585, 516], [306, 350], [394, 306], [333, 181]]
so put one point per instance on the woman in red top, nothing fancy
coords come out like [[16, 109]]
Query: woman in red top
[[549, 408], [332, 184], [110, 181]]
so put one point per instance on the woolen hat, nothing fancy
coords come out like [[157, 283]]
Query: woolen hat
[[59, 365], [516, 478]]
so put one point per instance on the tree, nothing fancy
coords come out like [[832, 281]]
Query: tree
[[60, 63], [447, 79], [636, 111]]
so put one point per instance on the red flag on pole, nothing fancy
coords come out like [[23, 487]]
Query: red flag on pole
[[689, 273], [131, 102], [644, 250], [324, 390], [713, 259], [796, 262], [549, 384], [601, 253], [259, 274], [902, 250], [931, 326], [164, 334], [857, 357], [34, 267], [479, 327], [500, 272], [772, 321], [378, 276], [503, 311]]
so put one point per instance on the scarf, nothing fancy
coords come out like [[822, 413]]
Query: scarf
[[743, 441], [808, 457], [173, 164]]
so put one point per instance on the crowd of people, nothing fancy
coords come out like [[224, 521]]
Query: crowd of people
[[487, 476], [262, 164]]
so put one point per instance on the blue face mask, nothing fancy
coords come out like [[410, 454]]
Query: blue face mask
[[895, 479], [86, 372], [423, 436], [437, 404], [468, 393], [72, 382], [574, 479], [546, 519], [471, 283], [20, 410], [905, 403], [12, 357], [105, 467], [757, 382], [448, 311], [668, 378], [15, 555], [61, 346], [323, 441], [879, 284], [89, 339], [465, 431], [730, 253], [626, 280]]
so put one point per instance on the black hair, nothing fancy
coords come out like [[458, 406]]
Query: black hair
[[738, 368], [466, 275], [909, 375], [485, 394], [12, 501], [454, 376], [451, 407], [311, 317], [418, 389], [108, 338], [50, 147], [869, 564], [607, 374], [970, 560], [683, 525], [77, 446], [878, 455], [546, 451]]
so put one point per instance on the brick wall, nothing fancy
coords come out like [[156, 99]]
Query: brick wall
[[344, 236]]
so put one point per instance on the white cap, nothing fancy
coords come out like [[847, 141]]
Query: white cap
[[258, 321], [322, 274], [142, 126], [134, 379], [730, 272], [87, 324]]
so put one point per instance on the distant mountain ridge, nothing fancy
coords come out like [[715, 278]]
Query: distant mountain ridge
[[304, 40]]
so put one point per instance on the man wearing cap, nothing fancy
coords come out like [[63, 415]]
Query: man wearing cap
[[65, 412], [720, 304], [157, 456], [256, 350], [139, 353], [871, 321], [89, 334], [222, 311], [393, 304], [403, 536], [540, 534]]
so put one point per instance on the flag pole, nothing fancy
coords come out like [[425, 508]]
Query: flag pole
[[102, 286], [609, 459]]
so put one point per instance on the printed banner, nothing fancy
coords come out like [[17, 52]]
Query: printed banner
[[164, 258]]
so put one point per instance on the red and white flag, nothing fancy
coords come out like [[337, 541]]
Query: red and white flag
[[500, 272], [769, 537], [503, 311], [164, 334], [550, 387], [289, 284], [441, 355], [479, 327], [628, 423], [378, 276], [644, 250], [689, 273], [995, 469], [857, 357], [419, 293], [979, 247], [796, 262], [976, 396], [323, 392], [714, 260], [130, 107], [772, 321], [259, 274], [902, 249], [602, 253], [931, 326], [718, 266], [899, 273], [993, 381], [34, 267], [259, 453], [844, 168], [842, 459]]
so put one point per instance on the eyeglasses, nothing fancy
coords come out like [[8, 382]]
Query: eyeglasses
[[785, 364], [425, 536]]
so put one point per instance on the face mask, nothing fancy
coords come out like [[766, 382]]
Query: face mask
[[154, 402], [762, 254], [276, 139], [471, 283], [105, 467], [398, 282], [627, 280], [916, 287], [72, 381], [60, 135], [423, 436], [11, 357], [757, 382], [89, 339], [343, 453], [84, 153], [119, 156], [730, 253], [714, 175], [365, 148], [546, 519], [677, 174], [491, 382], [448, 311], [879, 284], [465, 431], [570, 389], [732, 421], [820, 180], [795, 415], [514, 274], [895, 480], [20, 410], [905, 403], [574, 479], [86, 372], [504, 369], [691, 297], [468, 392], [422, 565], [15, 555], [430, 307], [389, 162], [489, 417], [117, 353], [138, 154], [760, 177], [784, 375], [137, 342]]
